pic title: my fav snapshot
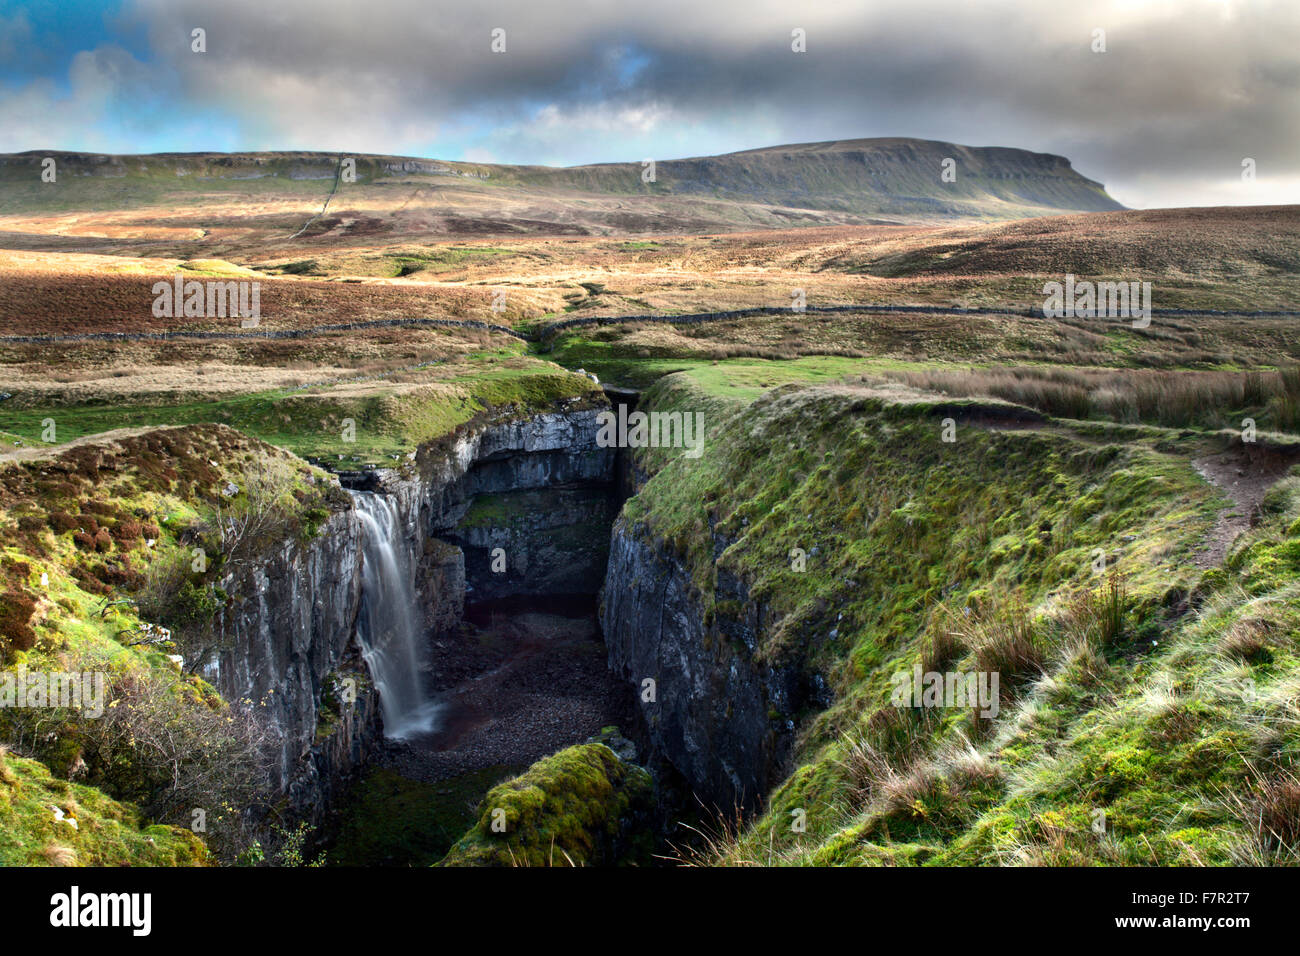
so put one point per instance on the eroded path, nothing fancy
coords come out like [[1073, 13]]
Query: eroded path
[[1244, 473]]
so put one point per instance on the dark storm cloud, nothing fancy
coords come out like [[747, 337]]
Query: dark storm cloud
[[1184, 92]]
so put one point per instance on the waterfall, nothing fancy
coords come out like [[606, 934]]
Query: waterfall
[[392, 639]]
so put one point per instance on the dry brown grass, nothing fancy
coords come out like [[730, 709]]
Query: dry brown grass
[[1173, 399], [1270, 813], [1005, 639], [1248, 639], [63, 301], [56, 854], [95, 271], [1245, 254]]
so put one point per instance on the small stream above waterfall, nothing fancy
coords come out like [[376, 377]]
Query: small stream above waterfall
[[392, 638]]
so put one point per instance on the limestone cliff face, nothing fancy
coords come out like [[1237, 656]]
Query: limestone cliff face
[[539, 489], [719, 714], [544, 542], [288, 636], [287, 631]]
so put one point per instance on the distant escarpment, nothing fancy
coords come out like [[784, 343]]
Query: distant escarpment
[[840, 182]]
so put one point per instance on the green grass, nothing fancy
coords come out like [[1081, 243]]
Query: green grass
[[896, 525], [612, 364], [741, 378], [388, 423], [107, 833], [747, 379]]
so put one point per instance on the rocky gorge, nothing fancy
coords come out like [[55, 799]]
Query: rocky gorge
[[540, 615], [443, 625], [493, 519], [483, 628]]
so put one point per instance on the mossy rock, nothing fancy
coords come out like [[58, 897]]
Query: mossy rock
[[582, 807]]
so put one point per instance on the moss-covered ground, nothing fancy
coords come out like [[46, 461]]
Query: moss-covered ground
[[583, 806], [351, 423], [47, 821]]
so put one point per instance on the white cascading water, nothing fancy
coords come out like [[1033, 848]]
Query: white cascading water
[[389, 625]]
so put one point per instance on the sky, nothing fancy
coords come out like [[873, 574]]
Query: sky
[[1184, 92]]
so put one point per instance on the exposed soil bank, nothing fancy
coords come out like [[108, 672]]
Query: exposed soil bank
[[1244, 472]]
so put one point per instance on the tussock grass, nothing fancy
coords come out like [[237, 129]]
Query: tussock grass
[[1006, 640], [1269, 811], [1157, 397]]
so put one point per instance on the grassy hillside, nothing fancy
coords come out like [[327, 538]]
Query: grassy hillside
[[45, 821], [112, 550], [1157, 694]]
